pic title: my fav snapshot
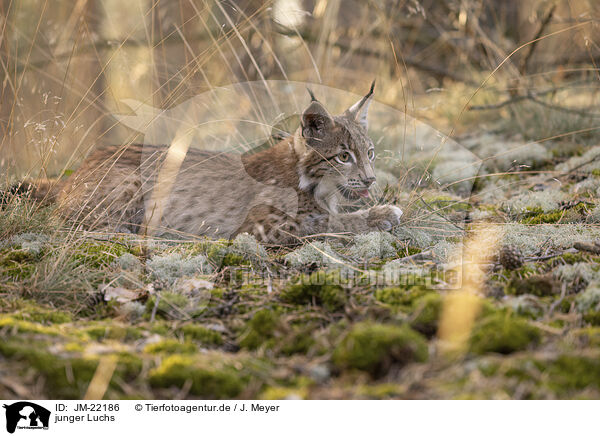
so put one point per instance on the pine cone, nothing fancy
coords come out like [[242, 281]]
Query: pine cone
[[510, 257]]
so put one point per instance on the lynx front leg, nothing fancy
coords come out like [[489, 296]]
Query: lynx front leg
[[382, 218]]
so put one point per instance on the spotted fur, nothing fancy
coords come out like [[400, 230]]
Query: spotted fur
[[279, 194]]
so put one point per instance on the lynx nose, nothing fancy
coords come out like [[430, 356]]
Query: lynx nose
[[369, 181]]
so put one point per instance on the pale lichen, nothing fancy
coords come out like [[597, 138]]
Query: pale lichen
[[545, 201], [579, 271], [318, 253], [588, 161], [172, 266], [457, 175], [444, 251], [32, 243], [498, 154], [589, 299], [128, 262], [374, 245], [248, 247], [531, 239]]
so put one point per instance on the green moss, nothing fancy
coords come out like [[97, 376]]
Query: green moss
[[447, 204], [30, 311], [381, 391], [18, 264], [129, 365], [537, 216], [51, 317], [375, 348], [202, 334], [267, 330], [260, 330], [565, 304], [217, 292], [284, 393], [160, 328], [408, 251], [538, 285], [17, 256], [249, 297], [67, 377], [12, 325], [400, 296], [526, 270], [94, 254], [426, 314], [169, 303], [216, 251], [565, 374], [488, 369], [333, 298], [299, 341], [321, 288], [170, 346], [232, 259], [544, 218], [112, 331], [502, 333], [236, 275], [586, 337], [209, 377], [592, 317], [74, 347], [569, 258]]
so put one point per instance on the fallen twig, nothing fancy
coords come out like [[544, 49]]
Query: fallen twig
[[549, 256], [592, 248], [423, 255], [563, 293]]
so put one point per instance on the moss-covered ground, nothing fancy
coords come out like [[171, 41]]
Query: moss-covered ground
[[339, 318]]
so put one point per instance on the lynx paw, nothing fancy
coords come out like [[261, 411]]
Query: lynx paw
[[384, 218]]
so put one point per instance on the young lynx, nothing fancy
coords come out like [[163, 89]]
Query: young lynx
[[280, 194]]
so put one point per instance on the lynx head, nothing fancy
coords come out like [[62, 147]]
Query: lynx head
[[339, 154]]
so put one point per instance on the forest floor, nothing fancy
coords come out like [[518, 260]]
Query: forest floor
[[497, 295]]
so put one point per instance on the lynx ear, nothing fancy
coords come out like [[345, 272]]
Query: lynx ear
[[358, 111], [315, 119]]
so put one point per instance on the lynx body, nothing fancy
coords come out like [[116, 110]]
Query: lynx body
[[288, 191]]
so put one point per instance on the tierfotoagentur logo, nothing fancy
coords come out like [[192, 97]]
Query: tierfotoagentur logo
[[25, 415]]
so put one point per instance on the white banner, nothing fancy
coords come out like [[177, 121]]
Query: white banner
[[299, 417]]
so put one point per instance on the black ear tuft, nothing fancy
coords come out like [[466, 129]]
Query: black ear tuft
[[312, 95], [358, 111], [316, 120], [372, 87]]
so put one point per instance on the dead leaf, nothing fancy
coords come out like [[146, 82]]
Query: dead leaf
[[122, 295]]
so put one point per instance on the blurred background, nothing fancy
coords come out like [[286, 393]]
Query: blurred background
[[514, 67]]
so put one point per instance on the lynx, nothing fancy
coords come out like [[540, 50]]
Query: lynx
[[281, 194]]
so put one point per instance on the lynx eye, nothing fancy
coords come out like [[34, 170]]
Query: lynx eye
[[343, 157], [371, 154]]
